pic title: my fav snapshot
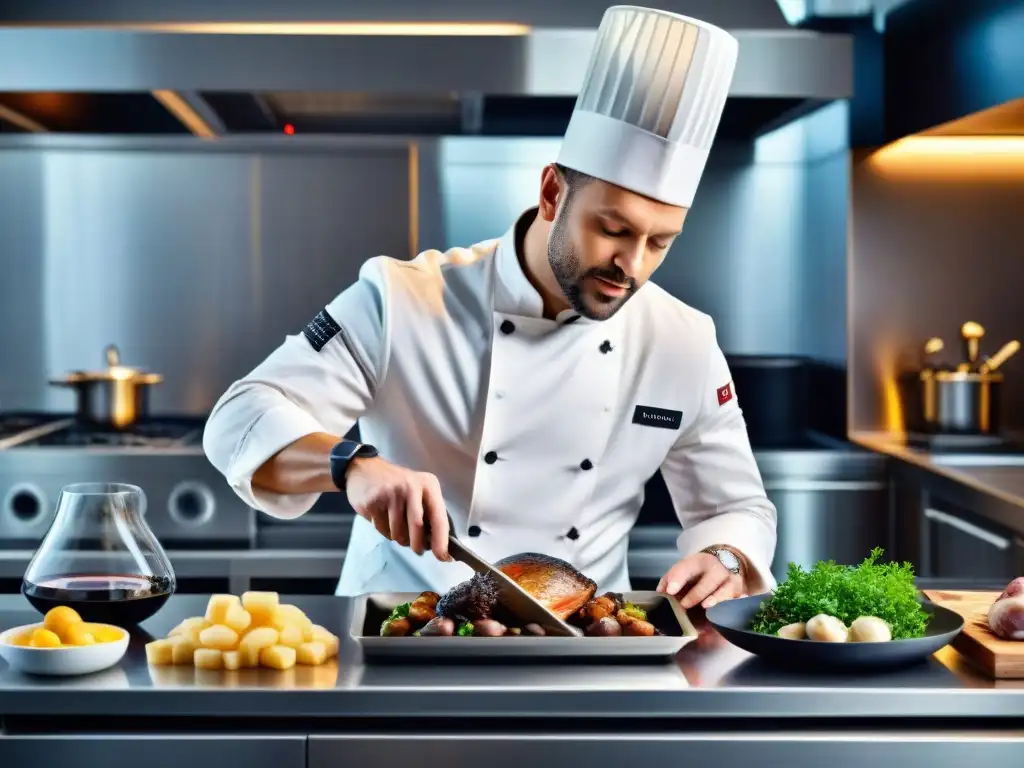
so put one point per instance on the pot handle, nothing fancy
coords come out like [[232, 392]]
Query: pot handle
[[113, 356]]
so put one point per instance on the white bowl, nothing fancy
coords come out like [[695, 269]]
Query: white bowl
[[72, 660]]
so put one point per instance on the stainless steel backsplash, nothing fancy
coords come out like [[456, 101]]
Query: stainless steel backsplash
[[197, 259]]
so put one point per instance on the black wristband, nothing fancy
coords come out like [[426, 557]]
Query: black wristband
[[341, 458]]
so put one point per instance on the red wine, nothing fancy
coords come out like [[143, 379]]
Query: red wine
[[117, 599]]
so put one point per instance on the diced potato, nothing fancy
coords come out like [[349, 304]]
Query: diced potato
[[291, 636], [307, 633], [78, 634], [231, 659], [219, 636], [256, 640], [311, 654], [44, 638], [207, 658], [191, 628], [328, 638], [278, 657], [238, 618], [104, 634], [261, 606], [160, 653], [287, 615], [182, 651], [218, 607], [58, 619]]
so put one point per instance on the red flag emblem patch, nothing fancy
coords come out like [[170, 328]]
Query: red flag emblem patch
[[725, 394]]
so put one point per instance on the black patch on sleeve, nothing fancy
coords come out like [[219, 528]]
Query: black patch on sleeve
[[320, 330]]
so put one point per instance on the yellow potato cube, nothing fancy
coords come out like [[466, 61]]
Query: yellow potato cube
[[231, 659], [328, 638], [278, 657], [261, 606], [191, 627], [291, 636], [311, 654], [182, 651], [285, 615], [256, 640], [218, 607], [219, 636], [238, 618], [78, 634], [44, 638], [160, 653], [207, 658], [104, 634], [58, 619]]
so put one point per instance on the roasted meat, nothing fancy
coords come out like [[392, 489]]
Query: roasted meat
[[471, 600], [553, 583]]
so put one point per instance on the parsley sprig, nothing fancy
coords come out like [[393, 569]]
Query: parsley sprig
[[885, 590]]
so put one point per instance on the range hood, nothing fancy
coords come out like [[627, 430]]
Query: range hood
[[393, 66]]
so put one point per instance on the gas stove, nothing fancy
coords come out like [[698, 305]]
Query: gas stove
[[189, 505]]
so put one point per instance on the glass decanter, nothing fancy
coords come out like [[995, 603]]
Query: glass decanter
[[100, 557]]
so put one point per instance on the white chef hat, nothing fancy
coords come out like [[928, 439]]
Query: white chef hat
[[650, 103]]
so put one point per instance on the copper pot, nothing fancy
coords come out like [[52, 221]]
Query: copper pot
[[117, 396]]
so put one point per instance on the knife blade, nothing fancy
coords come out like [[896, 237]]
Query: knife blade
[[515, 598]]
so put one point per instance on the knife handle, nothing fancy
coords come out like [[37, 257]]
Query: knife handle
[[427, 531]]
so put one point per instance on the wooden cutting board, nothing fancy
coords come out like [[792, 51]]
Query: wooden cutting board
[[996, 657]]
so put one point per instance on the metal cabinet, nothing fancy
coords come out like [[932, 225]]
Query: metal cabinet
[[957, 544], [155, 750], [841, 520]]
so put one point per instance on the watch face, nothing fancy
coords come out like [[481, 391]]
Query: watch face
[[728, 559]]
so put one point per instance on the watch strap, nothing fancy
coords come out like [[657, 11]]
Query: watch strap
[[342, 456]]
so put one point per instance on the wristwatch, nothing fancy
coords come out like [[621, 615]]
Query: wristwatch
[[342, 455], [726, 558]]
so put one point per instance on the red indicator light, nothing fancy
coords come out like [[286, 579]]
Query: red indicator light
[[289, 129]]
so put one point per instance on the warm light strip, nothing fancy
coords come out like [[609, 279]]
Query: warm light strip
[[18, 119], [375, 28], [191, 119], [414, 199], [959, 146]]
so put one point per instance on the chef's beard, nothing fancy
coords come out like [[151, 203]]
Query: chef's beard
[[565, 265]]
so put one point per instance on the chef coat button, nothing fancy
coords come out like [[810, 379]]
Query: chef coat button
[[490, 457], [606, 347], [507, 327], [573, 534], [586, 464], [474, 531]]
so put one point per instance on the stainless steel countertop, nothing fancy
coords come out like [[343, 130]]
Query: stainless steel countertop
[[708, 679], [991, 485]]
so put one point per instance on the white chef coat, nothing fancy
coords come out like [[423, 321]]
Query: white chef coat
[[531, 425]]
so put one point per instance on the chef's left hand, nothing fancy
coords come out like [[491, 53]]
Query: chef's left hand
[[701, 579]]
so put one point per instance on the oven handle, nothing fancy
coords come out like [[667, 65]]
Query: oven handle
[[970, 529]]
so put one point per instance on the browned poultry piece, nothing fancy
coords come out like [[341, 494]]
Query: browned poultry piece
[[553, 583]]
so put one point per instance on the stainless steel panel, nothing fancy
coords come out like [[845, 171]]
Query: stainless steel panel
[[772, 63], [205, 750], [31, 480], [195, 261], [958, 544], [735, 747]]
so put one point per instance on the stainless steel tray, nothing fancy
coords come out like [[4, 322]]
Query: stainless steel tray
[[664, 612]]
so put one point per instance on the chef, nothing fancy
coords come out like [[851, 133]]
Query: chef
[[527, 387]]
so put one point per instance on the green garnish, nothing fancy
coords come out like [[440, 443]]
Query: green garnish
[[635, 611], [398, 612], [885, 590], [465, 630]]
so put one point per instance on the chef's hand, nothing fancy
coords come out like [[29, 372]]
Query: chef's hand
[[701, 578], [399, 502]]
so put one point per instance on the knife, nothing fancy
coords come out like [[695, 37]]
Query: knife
[[515, 598]]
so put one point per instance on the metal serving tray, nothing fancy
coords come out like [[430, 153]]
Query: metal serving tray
[[664, 612]]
